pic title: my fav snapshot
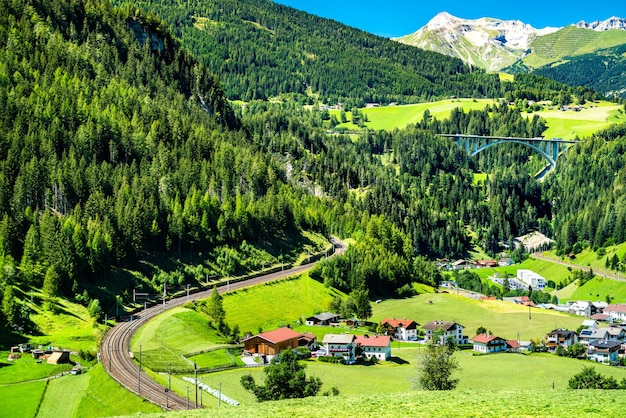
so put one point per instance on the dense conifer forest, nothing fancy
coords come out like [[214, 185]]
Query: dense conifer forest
[[118, 144]]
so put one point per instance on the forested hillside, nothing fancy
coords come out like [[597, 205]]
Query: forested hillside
[[601, 71], [117, 146], [262, 49]]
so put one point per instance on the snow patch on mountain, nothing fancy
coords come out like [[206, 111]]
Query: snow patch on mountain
[[602, 25]]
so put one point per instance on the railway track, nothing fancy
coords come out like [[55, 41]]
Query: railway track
[[118, 360]]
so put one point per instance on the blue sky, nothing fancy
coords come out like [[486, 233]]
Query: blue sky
[[400, 17]]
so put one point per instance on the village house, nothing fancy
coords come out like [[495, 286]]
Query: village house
[[532, 279], [589, 335], [272, 342], [512, 346], [603, 351], [617, 312], [448, 329], [486, 263], [339, 345], [379, 346], [325, 318], [484, 343], [505, 262], [402, 329], [560, 338], [461, 264]]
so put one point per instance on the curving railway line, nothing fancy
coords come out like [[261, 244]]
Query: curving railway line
[[118, 360]]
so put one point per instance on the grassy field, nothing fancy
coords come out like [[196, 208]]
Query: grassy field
[[391, 117], [482, 376], [566, 125], [549, 270], [504, 319], [572, 125], [466, 403], [27, 368], [274, 304], [21, 400]]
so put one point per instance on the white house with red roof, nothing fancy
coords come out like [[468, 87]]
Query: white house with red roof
[[378, 346], [484, 343], [617, 312], [402, 329], [339, 345]]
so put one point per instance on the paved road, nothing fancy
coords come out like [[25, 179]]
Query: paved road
[[601, 272], [118, 360]]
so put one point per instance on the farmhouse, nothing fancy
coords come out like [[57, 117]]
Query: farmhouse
[[379, 346], [449, 329], [325, 318], [402, 329], [484, 343], [272, 342], [560, 338], [339, 345]]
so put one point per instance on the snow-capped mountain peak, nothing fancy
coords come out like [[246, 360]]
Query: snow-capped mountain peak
[[602, 25]]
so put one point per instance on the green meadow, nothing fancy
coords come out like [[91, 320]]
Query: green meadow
[[465, 403], [392, 117], [561, 124], [572, 125], [482, 375]]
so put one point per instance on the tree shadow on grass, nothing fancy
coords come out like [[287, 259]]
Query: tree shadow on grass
[[398, 360]]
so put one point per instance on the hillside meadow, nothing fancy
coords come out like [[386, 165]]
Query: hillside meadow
[[560, 124]]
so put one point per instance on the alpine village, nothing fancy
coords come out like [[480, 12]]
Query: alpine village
[[236, 208]]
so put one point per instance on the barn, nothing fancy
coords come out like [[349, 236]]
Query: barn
[[272, 342]]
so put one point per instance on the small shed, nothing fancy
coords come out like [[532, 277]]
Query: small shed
[[59, 357]]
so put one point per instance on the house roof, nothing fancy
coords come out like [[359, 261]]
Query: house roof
[[307, 336], [485, 338], [324, 316], [562, 332], [445, 325], [278, 335], [605, 344], [600, 317], [512, 343], [589, 323], [400, 323], [338, 338], [615, 308], [377, 341], [615, 330]]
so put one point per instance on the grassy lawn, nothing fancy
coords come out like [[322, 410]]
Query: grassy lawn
[[217, 358], [21, 400], [504, 319]]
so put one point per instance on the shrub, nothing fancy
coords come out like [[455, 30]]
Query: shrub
[[331, 359]]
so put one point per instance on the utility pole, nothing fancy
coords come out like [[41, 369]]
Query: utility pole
[[169, 376], [187, 397], [195, 381], [139, 372], [219, 398]]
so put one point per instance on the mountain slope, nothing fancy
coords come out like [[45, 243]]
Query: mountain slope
[[486, 43], [262, 49]]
